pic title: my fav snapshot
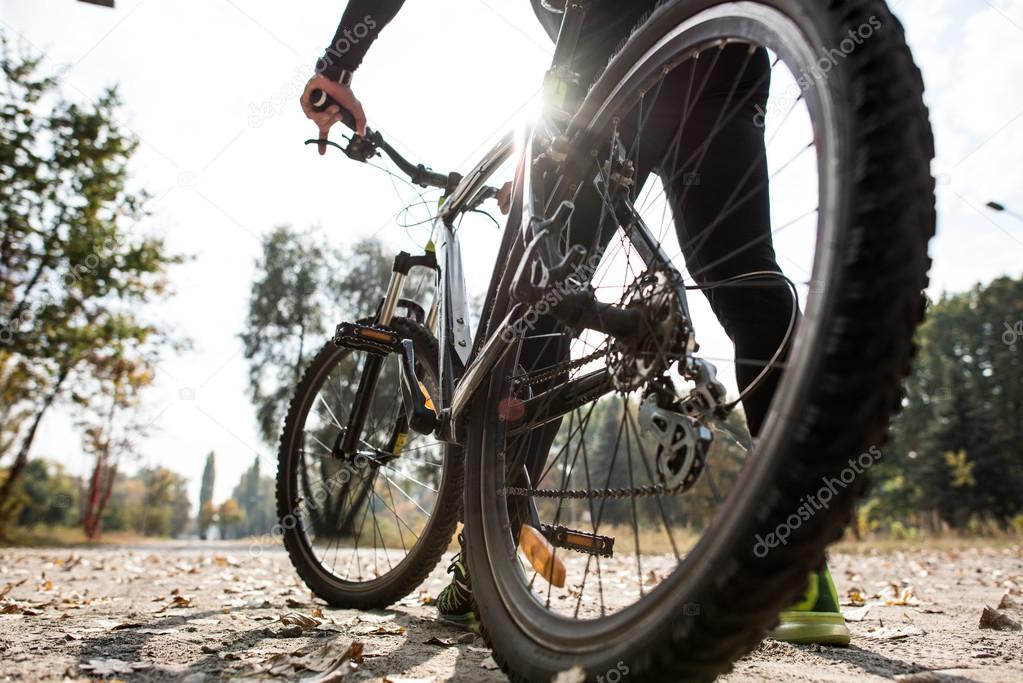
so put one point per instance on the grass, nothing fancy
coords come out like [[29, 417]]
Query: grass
[[64, 537], [947, 542]]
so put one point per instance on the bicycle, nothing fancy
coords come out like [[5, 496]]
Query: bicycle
[[588, 352]]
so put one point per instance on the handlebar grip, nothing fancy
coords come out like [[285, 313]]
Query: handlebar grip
[[321, 101]]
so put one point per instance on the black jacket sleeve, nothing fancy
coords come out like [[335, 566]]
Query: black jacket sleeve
[[362, 22]]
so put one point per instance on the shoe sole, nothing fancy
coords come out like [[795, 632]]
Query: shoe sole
[[809, 628], [465, 622]]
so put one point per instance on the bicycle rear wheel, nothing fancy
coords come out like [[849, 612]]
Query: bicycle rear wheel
[[674, 559]]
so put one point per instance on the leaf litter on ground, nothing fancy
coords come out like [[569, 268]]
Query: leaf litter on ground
[[995, 620], [112, 667], [312, 664]]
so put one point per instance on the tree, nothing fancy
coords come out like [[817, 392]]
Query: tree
[[207, 518], [254, 495], [285, 324], [110, 421], [70, 268], [231, 516], [301, 290], [206, 495], [47, 495], [952, 456], [166, 509]]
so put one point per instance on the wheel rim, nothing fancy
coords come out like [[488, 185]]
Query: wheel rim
[[564, 629]]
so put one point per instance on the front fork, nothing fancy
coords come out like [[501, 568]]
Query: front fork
[[379, 344]]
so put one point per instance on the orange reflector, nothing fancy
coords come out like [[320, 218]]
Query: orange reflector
[[426, 395], [540, 553], [581, 541], [379, 336]]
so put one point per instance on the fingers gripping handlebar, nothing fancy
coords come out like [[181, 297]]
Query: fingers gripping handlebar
[[321, 101]]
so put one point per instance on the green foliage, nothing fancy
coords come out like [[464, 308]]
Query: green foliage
[[302, 289], [74, 275], [46, 495], [154, 502], [953, 455], [285, 325]]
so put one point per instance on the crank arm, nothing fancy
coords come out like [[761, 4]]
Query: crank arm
[[420, 414]]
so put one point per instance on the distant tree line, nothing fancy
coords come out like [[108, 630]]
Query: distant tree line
[[953, 461], [152, 502]]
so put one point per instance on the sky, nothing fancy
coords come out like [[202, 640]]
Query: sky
[[210, 88]]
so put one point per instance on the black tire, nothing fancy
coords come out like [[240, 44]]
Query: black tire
[[432, 541], [861, 349]]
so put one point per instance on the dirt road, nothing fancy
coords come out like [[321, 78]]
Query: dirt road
[[205, 612]]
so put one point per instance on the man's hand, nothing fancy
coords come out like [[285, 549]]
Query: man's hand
[[504, 198], [325, 119]]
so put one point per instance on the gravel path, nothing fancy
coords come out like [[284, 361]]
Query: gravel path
[[212, 611]]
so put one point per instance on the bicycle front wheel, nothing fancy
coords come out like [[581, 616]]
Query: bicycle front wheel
[[674, 539], [364, 530]]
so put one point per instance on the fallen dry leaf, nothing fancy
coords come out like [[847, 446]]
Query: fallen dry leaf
[[379, 630], [114, 625], [9, 587], [857, 614], [1007, 602], [177, 602], [300, 620], [902, 596], [440, 642], [855, 598], [993, 619], [110, 667], [893, 632], [573, 675], [15, 607], [489, 664]]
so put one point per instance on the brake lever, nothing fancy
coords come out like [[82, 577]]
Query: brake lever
[[360, 148]]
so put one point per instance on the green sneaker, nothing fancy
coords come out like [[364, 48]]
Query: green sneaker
[[454, 604], [816, 617]]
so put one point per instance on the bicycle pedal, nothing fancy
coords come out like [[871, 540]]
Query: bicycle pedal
[[366, 338], [540, 553], [579, 541]]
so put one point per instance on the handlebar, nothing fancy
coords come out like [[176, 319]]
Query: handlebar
[[363, 148]]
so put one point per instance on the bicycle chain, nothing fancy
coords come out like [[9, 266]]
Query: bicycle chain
[[577, 494], [539, 376]]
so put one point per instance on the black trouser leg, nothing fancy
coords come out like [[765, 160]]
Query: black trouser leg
[[716, 180]]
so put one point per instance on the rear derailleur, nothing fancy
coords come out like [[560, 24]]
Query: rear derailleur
[[680, 427]]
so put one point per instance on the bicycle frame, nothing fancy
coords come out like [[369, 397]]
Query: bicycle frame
[[465, 365]]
